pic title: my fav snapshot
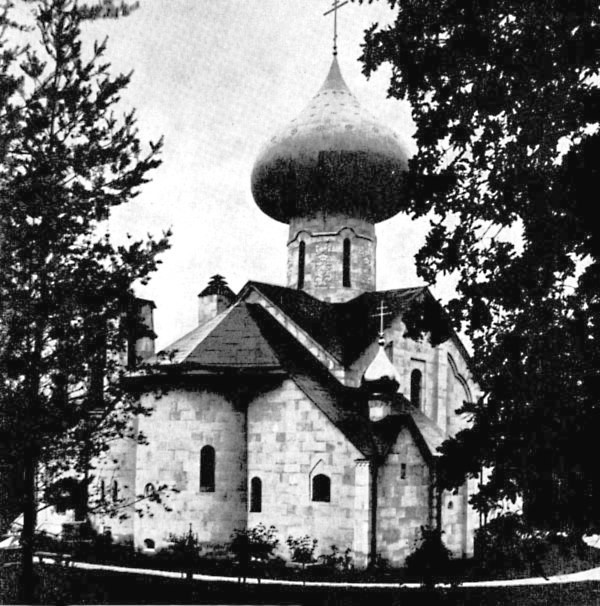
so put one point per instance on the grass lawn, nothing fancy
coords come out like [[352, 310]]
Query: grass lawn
[[60, 585]]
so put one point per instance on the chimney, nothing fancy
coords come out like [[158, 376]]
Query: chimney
[[214, 299]]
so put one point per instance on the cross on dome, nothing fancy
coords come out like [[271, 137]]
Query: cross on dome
[[335, 8]]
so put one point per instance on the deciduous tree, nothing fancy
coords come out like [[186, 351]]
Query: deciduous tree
[[506, 102]]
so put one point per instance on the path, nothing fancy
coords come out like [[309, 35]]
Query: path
[[592, 574]]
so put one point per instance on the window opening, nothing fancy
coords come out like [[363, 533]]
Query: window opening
[[255, 495], [346, 263], [115, 491], [207, 469], [416, 379], [149, 490], [321, 488], [403, 471], [301, 262]]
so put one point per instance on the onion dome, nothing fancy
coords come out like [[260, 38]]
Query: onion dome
[[381, 377], [333, 158]]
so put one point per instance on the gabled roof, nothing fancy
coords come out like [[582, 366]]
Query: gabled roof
[[247, 337], [345, 407], [345, 330]]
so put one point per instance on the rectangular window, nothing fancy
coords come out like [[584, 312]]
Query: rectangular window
[[403, 471]]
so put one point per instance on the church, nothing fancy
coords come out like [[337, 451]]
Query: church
[[305, 406]]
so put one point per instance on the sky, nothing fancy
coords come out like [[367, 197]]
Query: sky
[[217, 78]]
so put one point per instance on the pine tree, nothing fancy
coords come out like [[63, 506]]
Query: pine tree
[[67, 161]]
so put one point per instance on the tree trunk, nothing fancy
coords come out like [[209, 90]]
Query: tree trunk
[[29, 524]]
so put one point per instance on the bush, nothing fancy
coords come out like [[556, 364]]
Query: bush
[[254, 546], [302, 549], [507, 544], [338, 561], [431, 558], [184, 549]]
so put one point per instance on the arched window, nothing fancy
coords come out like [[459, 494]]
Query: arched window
[[149, 544], [346, 263], [207, 469], [115, 491], [321, 488], [301, 262], [102, 491], [148, 490], [255, 494], [416, 379]]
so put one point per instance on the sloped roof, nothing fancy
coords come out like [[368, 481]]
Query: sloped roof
[[344, 329], [345, 407], [432, 435], [246, 336], [231, 339]]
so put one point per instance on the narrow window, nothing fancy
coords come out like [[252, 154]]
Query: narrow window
[[207, 469], [321, 488], [415, 388], [403, 471], [301, 261], [149, 490], [102, 491], [115, 491], [346, 263], [255, 495]]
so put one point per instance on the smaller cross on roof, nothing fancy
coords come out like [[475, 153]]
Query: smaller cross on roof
[[381, 313]]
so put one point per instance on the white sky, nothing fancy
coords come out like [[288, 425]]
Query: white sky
[[217, 78]]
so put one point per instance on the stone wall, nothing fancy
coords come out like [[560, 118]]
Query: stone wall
[[182, 423], [289, 442], [117, 465], [403, 502], [446, 379]]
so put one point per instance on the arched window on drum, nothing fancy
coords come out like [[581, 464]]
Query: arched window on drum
[[416, 388]]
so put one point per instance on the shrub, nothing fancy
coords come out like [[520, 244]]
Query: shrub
[[507, 543], [336, 560], [302, 549], [431, 558], [254, 545], [184, 547]]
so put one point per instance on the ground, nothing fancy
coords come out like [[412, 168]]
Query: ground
[[66, 585]]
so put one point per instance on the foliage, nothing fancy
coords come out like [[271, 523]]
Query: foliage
[[302, 549], [256, 544], [66, 161], [337, 560], [505, 99], [185, 547], [431, 557]]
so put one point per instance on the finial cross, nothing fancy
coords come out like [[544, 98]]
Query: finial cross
[[334, 9], [381, 313]]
